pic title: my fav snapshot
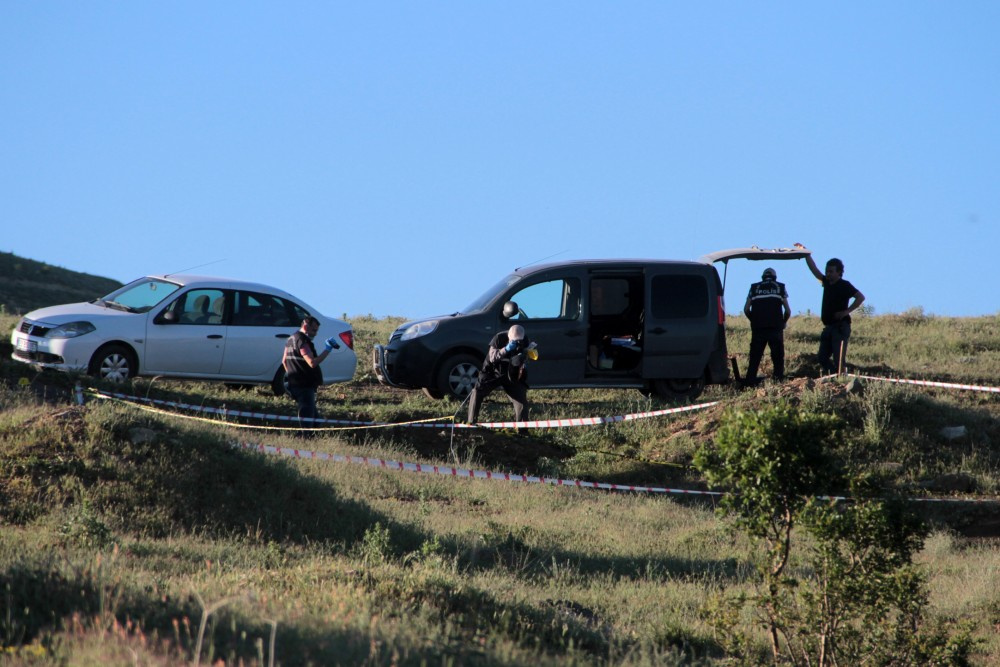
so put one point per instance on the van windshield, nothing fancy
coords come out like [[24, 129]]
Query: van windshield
[[479, 305]]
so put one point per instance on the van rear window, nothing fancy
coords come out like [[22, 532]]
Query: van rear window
[[679, 297]]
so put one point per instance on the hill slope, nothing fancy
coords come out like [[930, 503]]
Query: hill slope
[[26, 284]]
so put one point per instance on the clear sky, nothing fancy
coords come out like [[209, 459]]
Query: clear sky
[[398, 158]]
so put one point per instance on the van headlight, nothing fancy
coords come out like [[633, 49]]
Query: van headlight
[[71, 330], [419, 329]]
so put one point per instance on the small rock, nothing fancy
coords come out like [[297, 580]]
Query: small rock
[[141, 436], [953, 432], [854, 386]]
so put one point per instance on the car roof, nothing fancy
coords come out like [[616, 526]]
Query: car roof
[[191, 280]]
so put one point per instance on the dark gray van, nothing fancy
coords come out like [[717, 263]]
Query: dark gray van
[[654, 325]]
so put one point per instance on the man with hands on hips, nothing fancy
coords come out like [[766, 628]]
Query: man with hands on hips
[[303, 375]]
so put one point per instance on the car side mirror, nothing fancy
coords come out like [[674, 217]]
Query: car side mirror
[[167, 317]]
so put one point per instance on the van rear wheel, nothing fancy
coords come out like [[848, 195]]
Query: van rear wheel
[[676, 389]]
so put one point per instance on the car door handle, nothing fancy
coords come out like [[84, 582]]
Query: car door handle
[[282, 335], [214, 336], [658, 330]]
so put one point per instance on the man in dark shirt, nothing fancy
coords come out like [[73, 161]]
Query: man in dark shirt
[[303, 375], [504, 367], [840, 299], [768, 310]]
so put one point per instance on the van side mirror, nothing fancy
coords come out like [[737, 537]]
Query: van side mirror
[[510, 310]]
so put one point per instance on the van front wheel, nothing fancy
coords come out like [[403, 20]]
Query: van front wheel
[[676, 389], [458, 375]]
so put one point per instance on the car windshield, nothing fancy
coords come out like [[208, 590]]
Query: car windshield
[[489, 295], [139, 296]]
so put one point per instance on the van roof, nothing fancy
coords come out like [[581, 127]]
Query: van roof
[[625, 263]]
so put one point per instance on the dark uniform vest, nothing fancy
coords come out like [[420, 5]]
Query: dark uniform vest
[[297, 370], [766, 310]]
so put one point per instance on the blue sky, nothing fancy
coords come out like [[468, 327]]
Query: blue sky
[[398, 158]]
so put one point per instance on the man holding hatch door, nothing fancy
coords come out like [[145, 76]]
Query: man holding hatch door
[[840, 299]]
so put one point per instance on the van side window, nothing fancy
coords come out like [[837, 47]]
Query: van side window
[[679, 297], [552, 300]]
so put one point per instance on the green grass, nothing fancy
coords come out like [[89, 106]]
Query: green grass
[[122, 529]]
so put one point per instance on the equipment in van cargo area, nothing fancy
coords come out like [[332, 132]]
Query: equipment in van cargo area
[[654, 325]]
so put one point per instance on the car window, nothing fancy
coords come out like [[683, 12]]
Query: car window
[[679, 297], [141, 295], [256, 309], [553, 299], [199, 306]]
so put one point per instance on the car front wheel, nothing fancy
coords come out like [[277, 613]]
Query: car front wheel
[[115, 363], [458, 376]]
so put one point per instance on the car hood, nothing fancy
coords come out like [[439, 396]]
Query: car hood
[[73, 312], [754, 253]]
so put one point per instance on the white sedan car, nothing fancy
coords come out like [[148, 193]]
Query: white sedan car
[[180, 326]]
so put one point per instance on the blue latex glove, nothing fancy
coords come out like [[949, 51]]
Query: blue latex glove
[[512, 347], [331, 344]]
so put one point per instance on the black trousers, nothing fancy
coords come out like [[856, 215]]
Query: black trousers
[[759, 339], [516, 391]]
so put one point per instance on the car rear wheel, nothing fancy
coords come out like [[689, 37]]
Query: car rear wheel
[[115, 363], [676, 389], [458, 376]]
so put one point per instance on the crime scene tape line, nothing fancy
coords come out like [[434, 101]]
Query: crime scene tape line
[[929, 383], [469, 473], [256, 427], [461, 472], [425, 423]]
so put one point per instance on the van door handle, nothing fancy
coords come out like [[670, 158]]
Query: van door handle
[[214, 336], [658, 330], [282, 335]]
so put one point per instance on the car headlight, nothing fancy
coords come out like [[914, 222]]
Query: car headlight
[[419, 329], [70, 330]]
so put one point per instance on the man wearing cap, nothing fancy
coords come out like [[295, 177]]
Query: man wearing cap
[[504, 367], [768, 311]]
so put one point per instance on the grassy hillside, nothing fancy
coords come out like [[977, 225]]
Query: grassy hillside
[[26, 284], [122, 529]]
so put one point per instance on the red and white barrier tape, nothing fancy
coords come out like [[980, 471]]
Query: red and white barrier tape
[[929, 383], [540, 423]]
